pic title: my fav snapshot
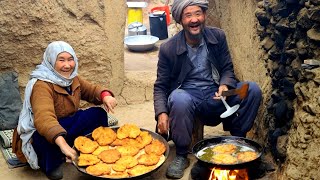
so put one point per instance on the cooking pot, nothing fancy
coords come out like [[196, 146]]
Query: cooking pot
[[115, 128], [137, 28], [238, 141]]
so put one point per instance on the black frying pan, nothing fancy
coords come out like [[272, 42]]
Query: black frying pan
[[153, 134], [227, 139]]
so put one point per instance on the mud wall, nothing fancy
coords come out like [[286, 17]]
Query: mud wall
[[269, 41], [289, 32], [95, 29]]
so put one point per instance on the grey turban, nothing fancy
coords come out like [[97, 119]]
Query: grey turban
[[179, 5]]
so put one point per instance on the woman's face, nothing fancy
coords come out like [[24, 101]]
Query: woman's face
[[64, 64]]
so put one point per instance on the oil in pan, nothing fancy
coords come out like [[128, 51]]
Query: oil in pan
[[227, 153]]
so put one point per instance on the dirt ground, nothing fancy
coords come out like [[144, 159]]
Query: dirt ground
[[140, 114]]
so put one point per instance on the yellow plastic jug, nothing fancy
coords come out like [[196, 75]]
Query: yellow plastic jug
[[134, 15]]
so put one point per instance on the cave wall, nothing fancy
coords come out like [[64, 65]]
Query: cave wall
[[95, 29], [289, 31], [269, 41]]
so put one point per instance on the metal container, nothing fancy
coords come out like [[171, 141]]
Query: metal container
[[147, 174], [137, 28], [244, 142], [140, 42], [158, 25]]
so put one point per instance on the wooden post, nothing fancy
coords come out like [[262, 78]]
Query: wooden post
[[197, 132]]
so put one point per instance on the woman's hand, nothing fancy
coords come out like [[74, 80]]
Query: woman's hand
[[70, 153], [110, 103], [220, 90]]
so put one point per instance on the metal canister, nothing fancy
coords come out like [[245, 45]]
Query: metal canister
[[137, 28]]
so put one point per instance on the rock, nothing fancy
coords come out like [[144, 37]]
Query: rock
[[292, 53], [280, 38], [281, 9], [262, 17], [292, 1], [314, 13], [302, 47], [260, 4], [274, 53], [296, 63], [267, 43], [282, 144], [314, 34], [303, 19], [315, 2], [284, 25]]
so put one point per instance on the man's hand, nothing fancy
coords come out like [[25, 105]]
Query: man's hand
[[220, 90], [163, 123], [70, 153], [110, 103]]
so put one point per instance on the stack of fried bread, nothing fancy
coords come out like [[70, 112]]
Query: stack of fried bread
[[125, 152]]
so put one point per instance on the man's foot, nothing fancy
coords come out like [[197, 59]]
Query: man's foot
[[177, 167], [55, 174], [199, 172]]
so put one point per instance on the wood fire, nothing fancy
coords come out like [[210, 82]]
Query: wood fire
[[225, 174]]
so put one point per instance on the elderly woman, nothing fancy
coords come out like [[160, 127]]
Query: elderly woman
[[51, 119]]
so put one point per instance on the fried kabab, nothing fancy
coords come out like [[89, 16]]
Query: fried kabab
[[128, 130], [104, 135], [99, 169], [87, 160], [85, 145], [148, 159], [224, 149], [109, 156], [156, 147]]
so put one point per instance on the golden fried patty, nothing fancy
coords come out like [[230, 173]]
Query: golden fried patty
[[128, 130], [128, 150], [246, 156], [226, 148], [109, 156], [99, 169], [140, 169], [224, 159], [104, 135], [87, 160], [156, 147], [148, 159], [128, 161], [85, 145]]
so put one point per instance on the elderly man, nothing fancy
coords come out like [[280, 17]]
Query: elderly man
[[194, 68]]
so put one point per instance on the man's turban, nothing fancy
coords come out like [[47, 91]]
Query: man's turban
[[179, 5]]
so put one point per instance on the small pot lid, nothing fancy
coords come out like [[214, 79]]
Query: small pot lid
[[136, 26]]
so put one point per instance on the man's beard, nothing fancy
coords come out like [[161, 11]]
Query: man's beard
[[195, 37]]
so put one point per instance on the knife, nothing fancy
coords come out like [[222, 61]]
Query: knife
[[242, 91]]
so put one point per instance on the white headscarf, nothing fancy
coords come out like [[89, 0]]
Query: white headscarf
[[179, 5], [45, 72]]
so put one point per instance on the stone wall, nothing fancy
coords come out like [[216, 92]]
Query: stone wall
[[95, 29], [289, 33]]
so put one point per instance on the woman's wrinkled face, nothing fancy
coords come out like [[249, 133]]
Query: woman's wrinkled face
[[64, 64], [193, 20]]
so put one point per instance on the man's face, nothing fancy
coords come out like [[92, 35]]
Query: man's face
[[193, 20]]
